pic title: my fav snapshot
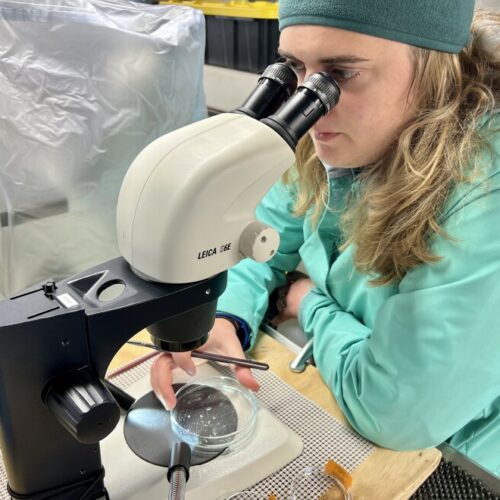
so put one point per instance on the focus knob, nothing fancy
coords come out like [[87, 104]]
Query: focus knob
[[259, 242], [83, 405]]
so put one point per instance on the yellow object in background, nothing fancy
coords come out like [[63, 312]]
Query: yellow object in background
[[240, 35], [252, 10]]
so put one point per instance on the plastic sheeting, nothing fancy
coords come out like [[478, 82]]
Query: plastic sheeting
[[84, 87]]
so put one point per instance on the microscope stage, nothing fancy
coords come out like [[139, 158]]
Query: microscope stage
[[128, 477]]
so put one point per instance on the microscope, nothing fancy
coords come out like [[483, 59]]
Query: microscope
[[185, 214]]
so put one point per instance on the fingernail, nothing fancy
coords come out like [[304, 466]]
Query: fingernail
[[191, 371]]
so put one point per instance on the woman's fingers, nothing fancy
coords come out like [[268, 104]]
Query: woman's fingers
[[184, 361], [161, 375], [161, 380], [223, 341], [245, 377], [232, 347]]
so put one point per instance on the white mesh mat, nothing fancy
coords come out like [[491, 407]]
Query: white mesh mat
[[323, 436]]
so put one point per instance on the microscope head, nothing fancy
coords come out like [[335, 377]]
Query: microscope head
[[186, 209]]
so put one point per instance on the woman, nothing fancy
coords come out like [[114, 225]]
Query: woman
[[403, 293]]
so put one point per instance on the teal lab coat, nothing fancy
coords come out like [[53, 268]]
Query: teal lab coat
[[410, 364]]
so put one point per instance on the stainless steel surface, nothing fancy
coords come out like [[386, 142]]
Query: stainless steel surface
[[282, 339], [303, 358], [450, 454], [291, 336]]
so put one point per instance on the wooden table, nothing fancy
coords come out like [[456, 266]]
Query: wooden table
[[384, 475]]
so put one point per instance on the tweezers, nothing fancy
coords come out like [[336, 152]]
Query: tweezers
[[248, 363]]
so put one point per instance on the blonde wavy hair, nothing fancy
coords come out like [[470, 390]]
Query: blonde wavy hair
[[401, 197]]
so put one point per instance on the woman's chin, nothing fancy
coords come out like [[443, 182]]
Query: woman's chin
[[335, 156], [337, 161]]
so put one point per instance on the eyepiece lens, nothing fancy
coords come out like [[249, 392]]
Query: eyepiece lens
[[274, 87], [283, 75], [325, 87], [314, 98]]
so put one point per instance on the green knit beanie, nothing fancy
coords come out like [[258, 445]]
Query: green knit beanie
[[433, 24]]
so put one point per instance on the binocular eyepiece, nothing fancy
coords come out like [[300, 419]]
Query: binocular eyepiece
[[290, 111]]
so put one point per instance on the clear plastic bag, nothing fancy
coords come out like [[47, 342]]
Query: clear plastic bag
[[85, 85]]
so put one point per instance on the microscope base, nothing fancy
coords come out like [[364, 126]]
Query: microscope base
[[130, 478], [90, 489]]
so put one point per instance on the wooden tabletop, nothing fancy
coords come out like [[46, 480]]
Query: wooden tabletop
[[384, 475]]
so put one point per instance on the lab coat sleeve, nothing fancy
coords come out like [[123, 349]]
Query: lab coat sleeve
[[430, 363], [250, 282]]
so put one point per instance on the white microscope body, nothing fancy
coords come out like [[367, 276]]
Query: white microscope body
[[186, 209]]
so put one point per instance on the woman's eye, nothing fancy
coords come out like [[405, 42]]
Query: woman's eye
[[296, 66], [343, 75]]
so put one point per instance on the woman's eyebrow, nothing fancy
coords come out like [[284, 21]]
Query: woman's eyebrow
[[341, 59]]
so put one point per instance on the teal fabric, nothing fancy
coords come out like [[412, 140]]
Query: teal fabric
[[440, 25], [412, 364]]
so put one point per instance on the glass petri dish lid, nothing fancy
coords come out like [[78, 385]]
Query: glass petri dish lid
[[214, 414], [314, 479]]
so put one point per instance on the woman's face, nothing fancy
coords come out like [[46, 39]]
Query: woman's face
[[374, 76]]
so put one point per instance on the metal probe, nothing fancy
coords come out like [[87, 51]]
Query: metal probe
[[248, 363]]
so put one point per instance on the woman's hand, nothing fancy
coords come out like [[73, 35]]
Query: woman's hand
[[222, 339], [289, 309]]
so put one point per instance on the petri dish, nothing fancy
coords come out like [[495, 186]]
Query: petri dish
[[214, 414], [148, 432], [324, 486]]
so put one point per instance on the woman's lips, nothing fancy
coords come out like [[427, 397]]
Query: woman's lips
[[325, 136]]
